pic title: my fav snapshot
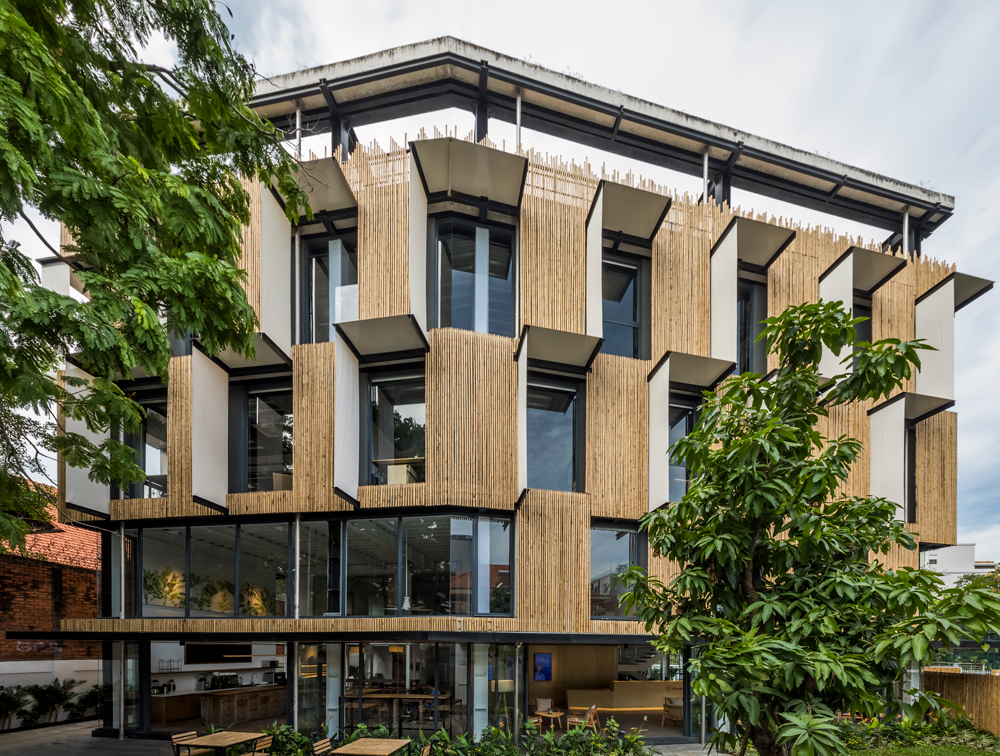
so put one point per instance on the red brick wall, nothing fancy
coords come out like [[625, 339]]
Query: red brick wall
[[36, 595]]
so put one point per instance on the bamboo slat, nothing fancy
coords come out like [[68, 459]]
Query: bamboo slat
[[979, 695], [250, 260], [395, 495], [937, 479], [261, 502]]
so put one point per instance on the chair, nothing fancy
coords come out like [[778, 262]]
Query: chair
[[426, 750], [178, 740], [260, 746], [587, 720], [673, 709], [322, 746], [530, 715], [544, 704]]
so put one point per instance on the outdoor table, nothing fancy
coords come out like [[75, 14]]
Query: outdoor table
[[553, 717], [398, 698], [373, 747], [220, 741]]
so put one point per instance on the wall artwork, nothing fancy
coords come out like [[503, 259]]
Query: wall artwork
[[543, 667]]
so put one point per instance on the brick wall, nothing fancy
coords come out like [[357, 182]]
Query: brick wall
[[36, 595]]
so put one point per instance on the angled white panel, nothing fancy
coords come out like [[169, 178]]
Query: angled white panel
[[418, 247], [837, 286], [275, 273], [55, 277], [325, 185], [887, 450], [346, 414], [452, 166], [636, 212], [80, 490], [659, 436], [209, 429], [595, 304], [522, 414], [481, 297], [724, 296], [934, 320]]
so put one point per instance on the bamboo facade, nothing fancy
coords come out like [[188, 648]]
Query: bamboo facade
[[250, 260], [978, 695]]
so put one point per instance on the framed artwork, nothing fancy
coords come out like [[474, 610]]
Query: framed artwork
[[543, 667]]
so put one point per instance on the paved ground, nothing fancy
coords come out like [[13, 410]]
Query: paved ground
[[681, 750]]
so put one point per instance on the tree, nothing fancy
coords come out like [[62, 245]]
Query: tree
[[789, 619], [143, 164], [989, 580]]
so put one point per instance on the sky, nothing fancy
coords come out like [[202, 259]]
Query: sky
[[907, 89]]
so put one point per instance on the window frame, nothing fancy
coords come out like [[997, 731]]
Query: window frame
[[756, 277], [144, 398], [643, 298], [350, 239], [239, 426], [366, 376], [579, 387], [689, 398], [642, 548]]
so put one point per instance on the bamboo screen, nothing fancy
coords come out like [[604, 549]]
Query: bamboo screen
[[250, 261]]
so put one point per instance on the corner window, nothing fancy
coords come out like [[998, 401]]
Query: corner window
[[476, 275], [751, 311], [625, 306], [394, 429], [331, 283], [555, 430], [684, 409], [150, 446], [269, 439], [613, 549]]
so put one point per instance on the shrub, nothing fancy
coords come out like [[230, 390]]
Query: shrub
[[288, 742], [13, 702], [86, 704]]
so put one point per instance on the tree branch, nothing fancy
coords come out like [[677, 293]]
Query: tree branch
[[72, 263]]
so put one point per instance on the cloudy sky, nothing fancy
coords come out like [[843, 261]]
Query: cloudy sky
[[907, 89]]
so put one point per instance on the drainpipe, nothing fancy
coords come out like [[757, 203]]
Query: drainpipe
[[295, 684], [298, 554], [703, 722], [121, 573], [518, 117], [704, 175], [517, 689], [121, 689]]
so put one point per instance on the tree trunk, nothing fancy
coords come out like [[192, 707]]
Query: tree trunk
[[765, 741]]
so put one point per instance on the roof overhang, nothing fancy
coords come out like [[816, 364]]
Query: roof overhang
[[267, 354], [470, 173], [447, 72], [917, 406], [629, 215]]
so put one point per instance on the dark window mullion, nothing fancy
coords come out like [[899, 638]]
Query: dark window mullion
[[187, 571]]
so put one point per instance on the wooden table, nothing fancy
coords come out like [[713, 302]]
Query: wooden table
[[553, 717], [397, 698], [373, 747], [220, 741]]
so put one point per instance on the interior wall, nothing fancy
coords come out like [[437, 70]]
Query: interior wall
[[572, 667]]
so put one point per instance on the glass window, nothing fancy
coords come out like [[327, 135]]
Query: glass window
[[213, 571], [864, 329], [683, 416], [437, 559], [477, 278], [613, 549], [372, 562], [270, 439], [396, 431], [319, 569], [332, 276], [263, 569], [552, 435], [620, 293], [150, 447], [493, 578], [751, 310], [163, 571]]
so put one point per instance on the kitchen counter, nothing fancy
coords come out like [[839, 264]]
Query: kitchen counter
[[237, 705]]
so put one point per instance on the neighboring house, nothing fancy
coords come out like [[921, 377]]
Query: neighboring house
[[470, 367], [955, 562]]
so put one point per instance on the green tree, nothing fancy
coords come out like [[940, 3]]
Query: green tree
[[142, 162], [989, 580], [789, 619]]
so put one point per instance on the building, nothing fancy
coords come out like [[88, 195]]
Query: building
[[469, 370], [956, 562]]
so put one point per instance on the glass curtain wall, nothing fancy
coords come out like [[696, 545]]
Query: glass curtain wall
[[613, 549], [372, 567], [312, 687], [270, 441], [263, 569], [751, 310], [332, 278], [164, 572], [112, 679], [213, 571], [396, 428], [437, 561], [477, 278], [319, 569]]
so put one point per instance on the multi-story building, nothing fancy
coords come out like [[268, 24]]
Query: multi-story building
[[956, 562], [470, 367]]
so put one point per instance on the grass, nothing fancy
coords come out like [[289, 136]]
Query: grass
[[922, 750]]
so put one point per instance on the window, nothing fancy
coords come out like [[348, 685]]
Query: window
[[625, 305], [150, 446], [263, 570], [751, 310], [555, 420], [319, 569], [863, 309], [269, 439], [331, 276], [164, 573], [911, 471], [613, 549], [372, 567], [476, 268], [213, 571], [393, 432], [683, 417], [437, 565], [493, 566]]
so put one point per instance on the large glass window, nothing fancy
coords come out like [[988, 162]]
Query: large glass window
[[493, 578], [683, 416], [372, 561], [751, 310], [477, 278], [163, 571], [150, 447], [863, 309], [613, 549], [213, 571], [395, 428], [437, 562], [319, 569], [620, 294], [263, 570], [554, 443], [332, 277], [270, 439]]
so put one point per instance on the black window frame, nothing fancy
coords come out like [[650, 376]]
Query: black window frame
[[239, 426], [309, 246], [643, 294], [691, 399], [862, 308], [434, 263], [910, 490], [366, 376], [144, 398], [567, 382], [745, 363], [642, 553]]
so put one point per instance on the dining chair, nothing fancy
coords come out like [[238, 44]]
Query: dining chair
[[179, 739]]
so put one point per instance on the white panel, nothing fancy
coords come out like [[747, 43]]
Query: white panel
[[837, 286], [935, 321], [887, 447], [418, 248], [481, 300], [275, 272], [480, 688], [724, 295], [209, 429], [55, 277], [346, 419], [80, 490], [595, 253], [522, 417], [659, 437]]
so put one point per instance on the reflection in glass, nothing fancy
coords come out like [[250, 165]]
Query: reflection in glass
[[551, 447], [683, 416], [270, 439], [163, 570], [397, 429], [372, 560], [311, 671], [620, 303], [263, 569], [751, 310], [477, 278], [437, 559], [150, 450], [458, 275], [213, 571], [493, 570], [333, 274], [319, 569], [864, 328], [612, 551]]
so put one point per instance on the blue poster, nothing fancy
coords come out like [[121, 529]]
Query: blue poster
[[543, 667]]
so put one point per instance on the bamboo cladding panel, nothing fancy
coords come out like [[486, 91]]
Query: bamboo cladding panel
[[142, 509], [851, 420], [979, 695], [381, 182], [250, 261], [393, 495], [617, 439], [261, 502], [552, 243], [898, 557], [180, 407], [471, 419], [937, 479]]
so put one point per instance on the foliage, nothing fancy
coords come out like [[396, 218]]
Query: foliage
[[583, 742], [142, 163], [166, 585], [86, 704], [51, 699], [364, 731], [791, 619], [287, 742], [939, 729], [13, 703], [990, 580], [256, 600]]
